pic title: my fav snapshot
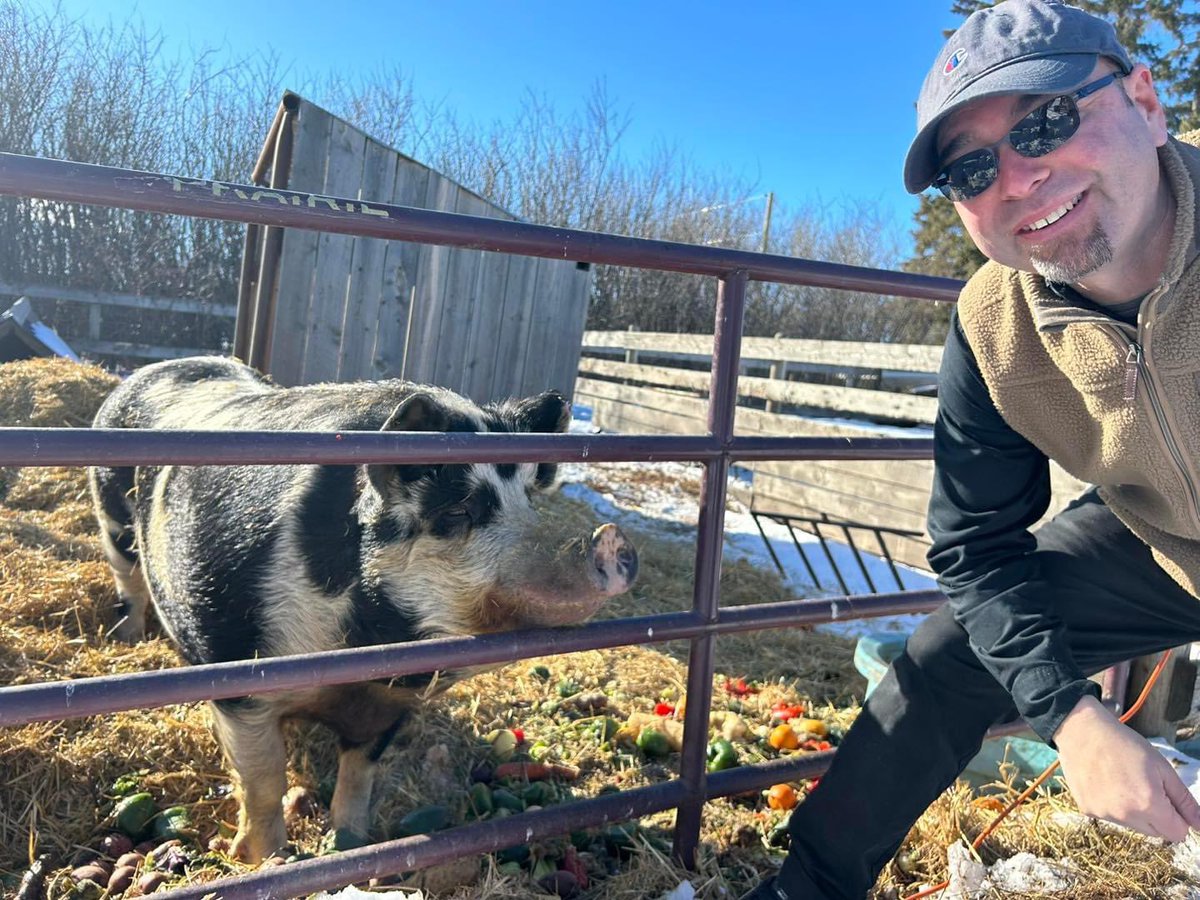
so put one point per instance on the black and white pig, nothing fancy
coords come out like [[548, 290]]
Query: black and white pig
[[242, 562]]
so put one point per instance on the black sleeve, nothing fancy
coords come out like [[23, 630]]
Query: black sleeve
[[990, 486]]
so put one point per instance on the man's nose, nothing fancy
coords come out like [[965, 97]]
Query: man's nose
[[1019, 176]]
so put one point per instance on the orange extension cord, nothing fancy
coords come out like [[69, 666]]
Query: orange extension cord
[[1028, 792]]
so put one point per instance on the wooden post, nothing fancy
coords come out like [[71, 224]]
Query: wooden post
[[778, 371], [1171, 697], [631, 355]]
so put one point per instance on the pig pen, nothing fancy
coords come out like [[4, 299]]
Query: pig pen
[[585, 719]]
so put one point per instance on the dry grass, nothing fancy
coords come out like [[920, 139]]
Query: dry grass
[[55, 793]]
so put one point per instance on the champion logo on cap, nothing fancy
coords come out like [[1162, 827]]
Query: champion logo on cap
[[955, 61]]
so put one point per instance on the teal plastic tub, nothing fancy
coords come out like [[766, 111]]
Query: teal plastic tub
[[874, 653]]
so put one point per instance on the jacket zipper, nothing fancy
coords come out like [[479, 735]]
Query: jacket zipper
[[1135, 373]]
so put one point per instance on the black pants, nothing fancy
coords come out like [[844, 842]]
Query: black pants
[[927, 718]]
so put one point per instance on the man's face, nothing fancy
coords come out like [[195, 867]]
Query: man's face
[[1082, 210]]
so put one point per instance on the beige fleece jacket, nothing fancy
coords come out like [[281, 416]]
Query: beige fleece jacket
[[1115, 405]]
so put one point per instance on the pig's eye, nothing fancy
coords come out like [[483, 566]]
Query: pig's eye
[[455, 516]]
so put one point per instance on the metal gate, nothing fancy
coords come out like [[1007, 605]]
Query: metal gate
[[77, 182]]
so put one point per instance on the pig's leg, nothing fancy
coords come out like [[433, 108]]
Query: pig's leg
[[352, 796], [357, 763], [252, 738], [110, 487]]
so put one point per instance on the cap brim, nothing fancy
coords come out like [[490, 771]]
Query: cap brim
[[1044, 75]]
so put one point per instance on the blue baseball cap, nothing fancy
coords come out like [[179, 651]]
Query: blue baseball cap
[[1015, 47]]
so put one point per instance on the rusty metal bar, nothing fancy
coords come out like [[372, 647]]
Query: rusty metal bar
[[727, 342], [406, 854], [140, 447], [51, 179], [188, 684]]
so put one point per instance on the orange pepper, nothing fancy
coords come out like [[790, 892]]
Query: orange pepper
[[783, 738], [781, 796]]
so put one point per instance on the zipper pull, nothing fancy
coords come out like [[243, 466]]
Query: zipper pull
[[1133, 364]]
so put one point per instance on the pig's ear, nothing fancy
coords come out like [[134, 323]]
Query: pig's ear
[[547, 412], [417, 412]]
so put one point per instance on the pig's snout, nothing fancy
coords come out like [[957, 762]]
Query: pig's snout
[[613, 561]]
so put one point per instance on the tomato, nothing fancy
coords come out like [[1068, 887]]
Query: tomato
[[664, 709]]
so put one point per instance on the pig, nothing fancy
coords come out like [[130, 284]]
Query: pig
[[244, 562]]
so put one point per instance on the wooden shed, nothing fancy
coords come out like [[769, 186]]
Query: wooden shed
[[328, 307]]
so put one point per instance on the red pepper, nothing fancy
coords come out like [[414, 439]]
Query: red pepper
[[812, 744], [519, 734], [782, 711], [740, 687], [812, 784], [664, 709]]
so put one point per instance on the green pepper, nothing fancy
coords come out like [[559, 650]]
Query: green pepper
[[721, 755], [653, 743]]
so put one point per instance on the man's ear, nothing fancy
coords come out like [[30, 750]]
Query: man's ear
[[547, 413], [417, 412], [1139, 88]]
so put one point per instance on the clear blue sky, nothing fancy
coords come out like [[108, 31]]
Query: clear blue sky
[[810, 99]]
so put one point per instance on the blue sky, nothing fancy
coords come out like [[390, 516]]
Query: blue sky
[[809, 99]]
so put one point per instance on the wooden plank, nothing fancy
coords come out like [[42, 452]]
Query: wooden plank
[[460, 300], [848, 400], [298, 257], [511, 351], [569, 345], [400, 273], [134, 301], [903, 483], [335, 252], [626, 419], [365, 296], [839, 492], [141, 351], [432, 269], [546, 320], [685, 415], [479, 381], [569, 312], [857, 354]]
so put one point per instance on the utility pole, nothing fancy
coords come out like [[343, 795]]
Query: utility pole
[[766, 235]]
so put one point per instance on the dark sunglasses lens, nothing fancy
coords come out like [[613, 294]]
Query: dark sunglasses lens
[[1046, 128], [969, 176]]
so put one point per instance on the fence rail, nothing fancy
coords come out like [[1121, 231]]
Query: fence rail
[[718, 447]]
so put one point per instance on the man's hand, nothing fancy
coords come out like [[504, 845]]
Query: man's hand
[[1115, 774]]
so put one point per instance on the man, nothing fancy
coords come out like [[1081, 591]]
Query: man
[[1078, 341]]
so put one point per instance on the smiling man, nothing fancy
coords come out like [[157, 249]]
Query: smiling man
[[1079, 341]]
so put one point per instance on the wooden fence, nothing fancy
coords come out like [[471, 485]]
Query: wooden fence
[[657, 383], [98, 338], [488, 325]]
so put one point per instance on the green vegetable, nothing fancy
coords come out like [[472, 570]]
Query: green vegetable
[[539, 793], [540, 672], [133, 814], [568, 687], [342, 839], [479, 799], [653, 743], [721, 755], [504, 744], [174, 822], [506, 799], [424, 820]]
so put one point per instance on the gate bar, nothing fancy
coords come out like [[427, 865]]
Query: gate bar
[[72, 182], [727, 343], [187, 684], [142, 447]]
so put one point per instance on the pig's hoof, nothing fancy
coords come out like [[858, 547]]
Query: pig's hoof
[[614, 559]]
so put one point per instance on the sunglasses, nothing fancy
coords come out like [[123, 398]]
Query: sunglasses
[[1045, 129]]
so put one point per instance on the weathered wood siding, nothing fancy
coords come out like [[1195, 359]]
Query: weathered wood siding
[[487, 325], [658, 399]]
